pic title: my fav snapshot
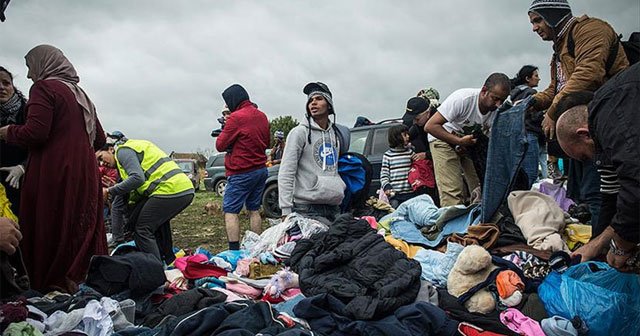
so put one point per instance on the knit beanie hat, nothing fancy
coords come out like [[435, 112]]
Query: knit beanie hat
[[551, 11], [318, 88]]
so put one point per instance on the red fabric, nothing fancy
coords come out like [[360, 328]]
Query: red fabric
[[247, 131], [471, 330], [272, 299], [197, 270], [111, 173], [61, 198], [421, 174]]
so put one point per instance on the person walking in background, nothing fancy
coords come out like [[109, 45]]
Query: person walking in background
[[245, 137], [13, 159], [60, 214], [158, 190]]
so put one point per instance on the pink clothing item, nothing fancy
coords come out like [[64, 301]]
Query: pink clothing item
[[181, 263], [517, 322], [244, 290], [290, 293], [372, 221], [231, 296]]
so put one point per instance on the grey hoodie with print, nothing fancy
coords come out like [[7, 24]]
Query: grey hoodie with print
[[308, 172]]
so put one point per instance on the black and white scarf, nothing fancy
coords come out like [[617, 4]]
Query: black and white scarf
[[10, 109]]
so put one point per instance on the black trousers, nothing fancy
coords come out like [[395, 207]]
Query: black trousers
[[150, 220]]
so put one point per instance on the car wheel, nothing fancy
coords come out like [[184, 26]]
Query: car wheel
[[270, 204], [220, 186]]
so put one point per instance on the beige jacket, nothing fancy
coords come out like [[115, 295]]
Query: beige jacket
[[586, 72]]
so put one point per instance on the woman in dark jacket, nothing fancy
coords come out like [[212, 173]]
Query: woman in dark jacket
[[12, 158]]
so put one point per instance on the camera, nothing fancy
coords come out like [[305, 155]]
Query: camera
[[216, 132]]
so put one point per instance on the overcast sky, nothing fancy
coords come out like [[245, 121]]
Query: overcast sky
[[155, 68]]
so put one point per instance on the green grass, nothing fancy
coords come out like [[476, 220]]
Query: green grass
[[194, 227]]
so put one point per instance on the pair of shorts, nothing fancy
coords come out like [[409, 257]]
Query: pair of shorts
[[244, 189]]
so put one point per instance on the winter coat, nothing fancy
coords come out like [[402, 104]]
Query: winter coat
[[357, 266], [586, 71]]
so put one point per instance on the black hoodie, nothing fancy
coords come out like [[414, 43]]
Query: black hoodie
[[234, 95]]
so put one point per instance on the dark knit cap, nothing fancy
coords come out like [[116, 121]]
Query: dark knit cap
[[318, 88], [552, 11]]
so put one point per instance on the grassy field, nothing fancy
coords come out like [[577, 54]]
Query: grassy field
[[195, 227]]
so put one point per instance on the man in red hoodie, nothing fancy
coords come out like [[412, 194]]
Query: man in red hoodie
[[245, 137]]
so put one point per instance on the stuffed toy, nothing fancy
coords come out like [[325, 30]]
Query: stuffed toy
[[472, 267]]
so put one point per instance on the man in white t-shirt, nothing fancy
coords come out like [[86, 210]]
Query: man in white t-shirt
[[464, 111]]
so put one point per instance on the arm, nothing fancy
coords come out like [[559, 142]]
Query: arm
[[128, 159], [434, 127], [37, 127], [384, 172], [592, 45], [289, 168], [626, 222], [228, 135]]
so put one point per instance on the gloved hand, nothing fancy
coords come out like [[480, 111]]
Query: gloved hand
[[15, 173]]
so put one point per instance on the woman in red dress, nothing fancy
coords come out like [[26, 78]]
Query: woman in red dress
[[61, 201]]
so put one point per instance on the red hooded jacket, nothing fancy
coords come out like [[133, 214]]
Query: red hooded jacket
[[246, 134]]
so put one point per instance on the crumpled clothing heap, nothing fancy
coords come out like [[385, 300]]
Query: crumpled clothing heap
[[294, 225]]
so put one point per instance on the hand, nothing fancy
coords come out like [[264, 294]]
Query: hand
[[467, 140], [15, 173], [549, 127], [418, 156], [3, 132], [109, 182], [105, 194], [10, 235], [618, 262], [589, 251]]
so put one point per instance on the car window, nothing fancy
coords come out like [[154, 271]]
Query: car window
[[358, 141], [218, 161], [185, 166], [380, 143]]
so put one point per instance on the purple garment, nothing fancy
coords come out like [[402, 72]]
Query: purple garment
[[518, 322], [558, 193]]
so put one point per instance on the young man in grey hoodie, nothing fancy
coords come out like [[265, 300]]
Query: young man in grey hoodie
[[308, 179]]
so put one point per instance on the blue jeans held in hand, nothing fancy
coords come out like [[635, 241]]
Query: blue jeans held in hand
[[530, 161], [245, 188], [508, 147]]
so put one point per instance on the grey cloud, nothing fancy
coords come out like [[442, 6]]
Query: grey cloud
[[155, 69]]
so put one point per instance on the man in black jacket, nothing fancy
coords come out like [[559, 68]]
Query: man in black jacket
[[609, 132]]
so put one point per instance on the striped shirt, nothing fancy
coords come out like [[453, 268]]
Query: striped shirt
[[396, 164]]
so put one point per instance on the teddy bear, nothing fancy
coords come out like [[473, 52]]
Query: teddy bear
[[472, 267]]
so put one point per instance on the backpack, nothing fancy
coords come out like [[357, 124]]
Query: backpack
[[631, 49], [356, 172]]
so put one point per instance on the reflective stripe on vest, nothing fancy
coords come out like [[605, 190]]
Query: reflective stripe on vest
[[162, 174]]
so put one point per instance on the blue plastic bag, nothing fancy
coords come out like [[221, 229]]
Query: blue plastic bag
[[607, 301]]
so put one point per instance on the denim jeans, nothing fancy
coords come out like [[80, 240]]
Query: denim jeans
[[530, 161], [542, 160], [584, 186], [508, 148]]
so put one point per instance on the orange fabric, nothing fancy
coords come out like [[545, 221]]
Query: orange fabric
[[508, 282], [408, 249]]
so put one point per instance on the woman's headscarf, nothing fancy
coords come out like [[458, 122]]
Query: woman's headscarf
[[48, 62]]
